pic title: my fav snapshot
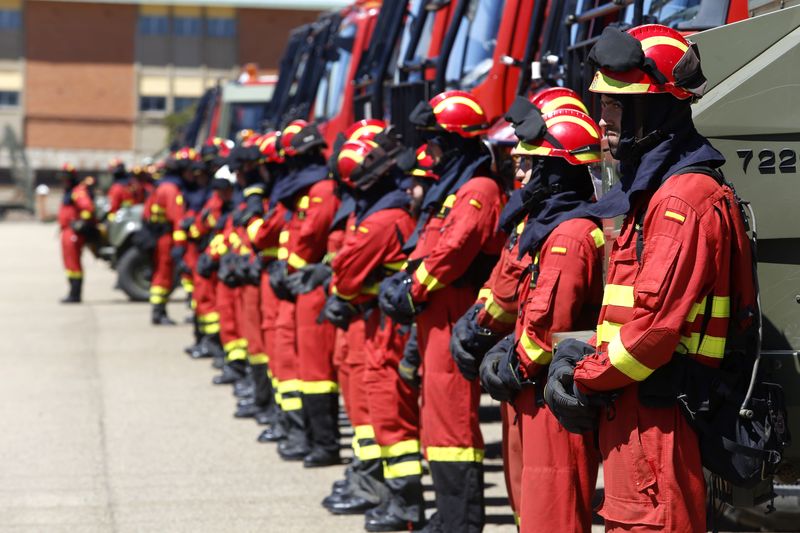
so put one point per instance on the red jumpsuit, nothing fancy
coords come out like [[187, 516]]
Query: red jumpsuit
[[165, 210], [563, 296], [654, 309], [120, 194], [500, 296], [450, 242], [77, 205], [372, 250], [204, 294]]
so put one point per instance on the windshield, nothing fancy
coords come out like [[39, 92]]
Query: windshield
[[421, 47], [667, 12], [330, 92], [246, 116], [471, 58]]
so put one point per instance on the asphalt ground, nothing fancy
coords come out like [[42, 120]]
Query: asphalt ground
[[108, 426]]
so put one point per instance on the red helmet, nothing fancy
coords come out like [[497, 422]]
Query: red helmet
[[351, 156], [290, 131], [216, 147], [365, 130], [459, 112], [552, 98], [668, 56], [268, 146], [576, 136], [182, 159], [424, 165]]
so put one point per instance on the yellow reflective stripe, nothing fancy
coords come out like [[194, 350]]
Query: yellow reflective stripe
[[303, 202], [425, 278], [373, 289], [252, 229], [335, 291], [179, 199], [484, 294], [558, 119], [364, 432], [452, 100], [179, 235], [234, 240], [607, 331], [401, 448], [245, 250], [213, 316], [250, 191], [696, 309], [269, 252], [291, 404], [663, 39], [211, 329], [283, 237], [258, 359], [563, 101], [625, 362], [155, 208], [450, 201], [710, 346], [404, 469], [599, 238], [721, 307], [297, 262], [194, 232], [187, 284], [535, 353], [319, 387], [497, 312], [236, 343], [606, 84], [74, 274], [454, 454], [157, 299], [395, 265], [237, 354], [283, 253], [369, 452], [212, 220], [86, 215], [619, 295], [222, 249], [290, 385], [520, 228]]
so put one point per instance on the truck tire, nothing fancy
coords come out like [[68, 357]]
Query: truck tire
[[134, 271]]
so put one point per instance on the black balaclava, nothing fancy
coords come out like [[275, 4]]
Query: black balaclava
[[657, 140]]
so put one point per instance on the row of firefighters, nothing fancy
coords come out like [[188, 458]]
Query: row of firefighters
[[406, 280]]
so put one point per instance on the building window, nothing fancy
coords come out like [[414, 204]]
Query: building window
[[10, 19], [153, 25], [9, 98], [186, 27], [184, 102], [221, 27], [152, 104]]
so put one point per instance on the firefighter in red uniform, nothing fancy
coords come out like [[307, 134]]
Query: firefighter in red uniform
[[560, 291], [458, 244], [495, 313], [164, 213], [304, 347], [77, 220], [120, 194], [668, 286], [372, 250]]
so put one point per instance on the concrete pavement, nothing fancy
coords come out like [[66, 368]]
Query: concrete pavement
[[108, 426]]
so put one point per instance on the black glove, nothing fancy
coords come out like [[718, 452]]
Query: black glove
[[228, 272], [278, 272], [206, 265], [177, 253], [254, 268], [186, 224], [408, 367], [339, 312], [394, 298], [254, 202], [499, 370], [575, 415], [309, 278], [79, 226], [469, 342]]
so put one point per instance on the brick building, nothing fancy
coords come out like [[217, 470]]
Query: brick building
[[87, 81]]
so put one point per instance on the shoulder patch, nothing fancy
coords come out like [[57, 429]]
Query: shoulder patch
[[475, 203], [675, 215], [560, 250]]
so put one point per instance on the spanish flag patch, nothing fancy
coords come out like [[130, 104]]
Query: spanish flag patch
[[674, 215], [560, 250]]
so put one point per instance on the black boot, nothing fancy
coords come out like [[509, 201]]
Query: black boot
[[295, 446], [277, 430], [244, 388], [364, 491], [75, 289], [232, 371], [403, 511], [459, 495], [159, 316], [322, 414]]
